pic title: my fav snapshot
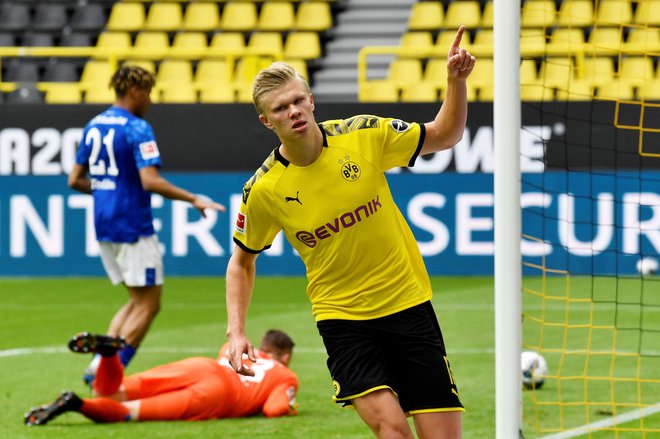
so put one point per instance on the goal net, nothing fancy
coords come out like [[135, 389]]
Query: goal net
[[590, 86]]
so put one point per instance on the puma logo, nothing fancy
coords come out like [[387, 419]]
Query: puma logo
[[287, 199]]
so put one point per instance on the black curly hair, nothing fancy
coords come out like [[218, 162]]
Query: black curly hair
[[128, 76]]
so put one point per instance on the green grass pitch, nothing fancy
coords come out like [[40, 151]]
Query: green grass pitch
[[39, 315]]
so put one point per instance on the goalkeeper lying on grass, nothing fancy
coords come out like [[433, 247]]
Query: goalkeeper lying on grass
[[195, 388]]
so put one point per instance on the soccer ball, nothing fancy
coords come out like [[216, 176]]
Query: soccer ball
[[534, 369], [647, 266]]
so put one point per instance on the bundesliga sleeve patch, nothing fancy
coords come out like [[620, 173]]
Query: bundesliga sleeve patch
[[399, 126], [149, 150], [240, 223]]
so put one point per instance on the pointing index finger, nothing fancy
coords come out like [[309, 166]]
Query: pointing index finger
[[457, 40]]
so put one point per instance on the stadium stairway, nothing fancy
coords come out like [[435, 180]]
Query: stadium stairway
[[360, 23]]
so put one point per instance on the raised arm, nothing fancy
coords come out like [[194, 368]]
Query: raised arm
[[240, 283], [152, 181], [446, 130]]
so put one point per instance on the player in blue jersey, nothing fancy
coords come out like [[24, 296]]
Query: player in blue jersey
[[117, 162]]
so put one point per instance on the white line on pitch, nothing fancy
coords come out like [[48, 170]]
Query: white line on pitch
[[201, 350], [605, 423]]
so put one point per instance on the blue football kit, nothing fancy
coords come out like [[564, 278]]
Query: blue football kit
[[115, 145]]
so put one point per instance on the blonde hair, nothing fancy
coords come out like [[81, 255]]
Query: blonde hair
[[272, 78], [129, 76]]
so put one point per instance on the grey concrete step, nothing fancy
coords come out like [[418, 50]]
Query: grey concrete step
[[371, 4], [355, 44], [346, 75], [383, 16], [369, 29], [351, 59]]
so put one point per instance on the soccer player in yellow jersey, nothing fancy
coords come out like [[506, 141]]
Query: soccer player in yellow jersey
[[325, 188]]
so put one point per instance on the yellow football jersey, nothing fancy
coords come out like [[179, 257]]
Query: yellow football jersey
[[361, 257]]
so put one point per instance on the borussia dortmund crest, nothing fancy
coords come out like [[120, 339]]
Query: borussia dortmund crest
[[350, 170]]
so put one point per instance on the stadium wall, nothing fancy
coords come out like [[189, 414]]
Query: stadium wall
[[46, 229]]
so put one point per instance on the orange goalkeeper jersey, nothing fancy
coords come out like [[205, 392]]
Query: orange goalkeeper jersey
[[271, 391]]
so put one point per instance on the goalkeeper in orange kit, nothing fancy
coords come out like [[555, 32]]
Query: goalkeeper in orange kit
[[195, 388]]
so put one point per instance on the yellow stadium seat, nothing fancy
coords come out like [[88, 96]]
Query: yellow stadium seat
[[486, 92], [615, 90], [149, 66], [99, 94], [248, 67], [636, 70], [151, 45], [189, 45], [556, 72], [605, 40], [182, 93], [538, 13], [419, 92], [650, 91], [314, 16], [533, 41], [644, 40], [203, 17], [302, 45], [487, 15], [466, 12], [484, 37], [482, 76], [276, 16], [174, 71], [536, 93], [164, 17], [598, 70], [126, 16], [300, 66], [565, 40], [417, 40], [241, 17], [446, 38], [96, 73], [426, 16], [378, 91], [227, 41], [114, 39], [222, 93], [614, 12], [648, 13], [403, 72], [576, 91], [109, 41], [270, 42], [436, 73], [244, 93], [213, 71], [65, 93], [528, 73], [576, 13]]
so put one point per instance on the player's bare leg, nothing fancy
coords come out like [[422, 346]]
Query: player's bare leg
[[442, 425], [119, 318], [145, 305], [381, 411]]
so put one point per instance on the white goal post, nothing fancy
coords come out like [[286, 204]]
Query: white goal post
[[508, 268]]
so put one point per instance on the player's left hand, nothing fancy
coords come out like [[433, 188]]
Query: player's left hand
[[459, 61], [202, 203]]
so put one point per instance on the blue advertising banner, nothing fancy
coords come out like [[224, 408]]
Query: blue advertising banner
[[47, 229]]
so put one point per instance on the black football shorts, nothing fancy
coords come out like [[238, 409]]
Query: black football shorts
[[403, 352]]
